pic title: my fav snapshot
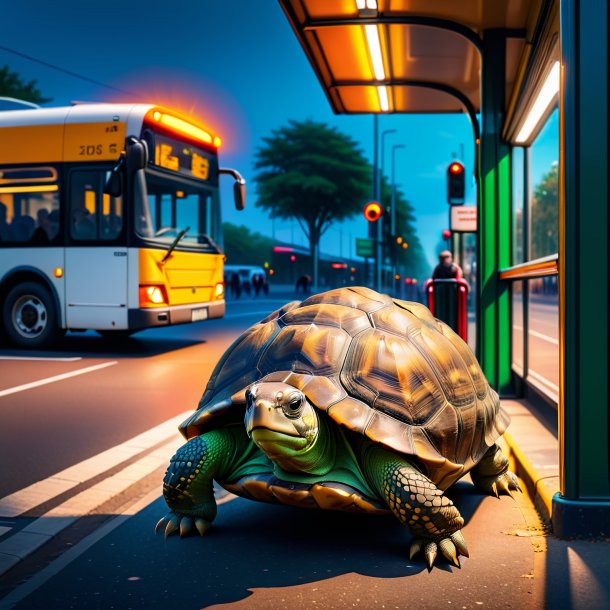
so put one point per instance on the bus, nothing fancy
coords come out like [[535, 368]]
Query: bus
[[110, 220]]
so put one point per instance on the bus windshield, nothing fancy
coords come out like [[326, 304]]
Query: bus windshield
[[165, 206]]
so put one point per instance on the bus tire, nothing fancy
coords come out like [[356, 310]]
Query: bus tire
[[29, 315]]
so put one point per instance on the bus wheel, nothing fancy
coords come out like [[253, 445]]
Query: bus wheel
[[30, 316]]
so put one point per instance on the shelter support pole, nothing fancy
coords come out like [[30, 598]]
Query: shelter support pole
[[493, 338], [582, 508]]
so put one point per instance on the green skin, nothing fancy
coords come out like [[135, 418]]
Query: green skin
[[285, 437]]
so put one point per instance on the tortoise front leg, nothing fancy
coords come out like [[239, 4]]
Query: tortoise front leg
[[188, 483], [492, 475], [419, 505]]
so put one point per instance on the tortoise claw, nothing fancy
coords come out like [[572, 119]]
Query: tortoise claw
[[430, 552], [202, 525], [416, 547], [460, 544], [172, 526], [451, 546]]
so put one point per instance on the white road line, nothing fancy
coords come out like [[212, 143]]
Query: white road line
[[535, 333], [552, 340], [65, 559], [40, 492], [543, 380], [49, 359], [35, 384], [41, 530]]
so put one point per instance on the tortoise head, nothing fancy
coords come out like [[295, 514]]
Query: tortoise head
[[281, 421]]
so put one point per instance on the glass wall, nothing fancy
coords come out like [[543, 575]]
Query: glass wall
[[535, 305]]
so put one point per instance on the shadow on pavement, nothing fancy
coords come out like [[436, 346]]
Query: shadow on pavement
[[251, 546]]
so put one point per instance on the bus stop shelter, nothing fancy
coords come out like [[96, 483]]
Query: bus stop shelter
[[506, 65]]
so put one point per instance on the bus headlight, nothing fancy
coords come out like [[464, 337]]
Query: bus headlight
[[219, 292], [151, 296]]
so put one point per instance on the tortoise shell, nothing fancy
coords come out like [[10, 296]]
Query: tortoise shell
[[381, 367]]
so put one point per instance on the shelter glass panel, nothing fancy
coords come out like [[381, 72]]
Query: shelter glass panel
[[517, 322], [544, 169], [518, 204]]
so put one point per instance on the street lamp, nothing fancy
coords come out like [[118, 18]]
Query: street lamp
[[384, 133], [393, 204]]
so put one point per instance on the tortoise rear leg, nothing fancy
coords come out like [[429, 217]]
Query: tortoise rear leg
[[419, 505], [492, 475], [188, 483]]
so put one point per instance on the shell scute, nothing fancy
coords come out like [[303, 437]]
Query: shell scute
[[308, 348], [389, 373], [349, 319]]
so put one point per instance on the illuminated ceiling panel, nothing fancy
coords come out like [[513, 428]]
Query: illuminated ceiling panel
[[418, 42]]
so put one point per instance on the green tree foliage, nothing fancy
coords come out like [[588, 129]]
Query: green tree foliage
[[12, 85], [545, 215], [314, 173], [245, 247], [411, 261]]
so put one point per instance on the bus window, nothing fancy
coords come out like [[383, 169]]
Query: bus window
[[94, 215], [28, 217]]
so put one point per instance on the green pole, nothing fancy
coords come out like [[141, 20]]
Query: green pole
[[493, 338], [582, 508]]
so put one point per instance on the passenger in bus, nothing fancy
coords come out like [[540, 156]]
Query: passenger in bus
[[83, 226], [5, 227], [446, 268], [41, 233], [22, 228]]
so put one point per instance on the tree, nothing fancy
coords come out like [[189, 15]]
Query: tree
[[11, 85], [545, 215], [314, 173], [244, 247]]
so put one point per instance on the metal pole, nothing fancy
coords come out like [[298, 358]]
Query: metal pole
[[384, 133], [393, 212], [376, 193]]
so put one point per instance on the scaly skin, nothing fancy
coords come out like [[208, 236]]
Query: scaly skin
[[224, 455], [492, 475], [418, 504]]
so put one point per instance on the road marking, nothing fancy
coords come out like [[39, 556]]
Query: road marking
[[44, 528], [543, 380], [36, 384], [40, 492], [49, 359], [4, 529], [535, 333]]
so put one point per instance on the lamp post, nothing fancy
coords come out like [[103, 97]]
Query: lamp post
[[384, 133], [393, 209]]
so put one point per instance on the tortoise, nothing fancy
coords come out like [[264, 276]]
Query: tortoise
[[349, 400]]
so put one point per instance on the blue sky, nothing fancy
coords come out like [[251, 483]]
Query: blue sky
[[238, 66]]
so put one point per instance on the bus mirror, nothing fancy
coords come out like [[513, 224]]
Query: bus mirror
[[239, 187], [113, 186], [137, 154], [239, 194]]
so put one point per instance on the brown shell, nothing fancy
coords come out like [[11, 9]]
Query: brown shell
[[383, 368]]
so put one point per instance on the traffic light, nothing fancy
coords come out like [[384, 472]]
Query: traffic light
[[373, 211], [456, 183]]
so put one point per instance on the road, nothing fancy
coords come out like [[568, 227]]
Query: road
[[87, 431]]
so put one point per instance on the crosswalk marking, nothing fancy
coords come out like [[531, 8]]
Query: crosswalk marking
[[40, 492], [41, 530], [35, 384]]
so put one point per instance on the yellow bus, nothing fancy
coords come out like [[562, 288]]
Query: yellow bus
[[110, 220]]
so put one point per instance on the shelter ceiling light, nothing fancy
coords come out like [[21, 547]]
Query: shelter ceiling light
[[546, 97], [370, 4], [372, 37], [382, 92]]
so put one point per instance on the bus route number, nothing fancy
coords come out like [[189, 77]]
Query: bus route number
[[90, 150]]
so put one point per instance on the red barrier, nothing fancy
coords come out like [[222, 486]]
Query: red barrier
[[448, 301]]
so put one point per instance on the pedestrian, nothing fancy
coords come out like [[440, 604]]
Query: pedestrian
[[303, 283], [257, 283], [235, 286], [446, 268]]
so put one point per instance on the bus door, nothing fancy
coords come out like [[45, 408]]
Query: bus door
[[96, 254]]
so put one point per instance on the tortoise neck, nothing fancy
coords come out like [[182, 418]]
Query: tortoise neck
[[318, 458]]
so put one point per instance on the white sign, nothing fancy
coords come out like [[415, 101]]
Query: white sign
[[464, 218]]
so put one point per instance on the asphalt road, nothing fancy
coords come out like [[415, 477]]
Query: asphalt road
[[85, 535]]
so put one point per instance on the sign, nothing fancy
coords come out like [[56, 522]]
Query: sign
[[464, 218], [364, 247], [185, 159]]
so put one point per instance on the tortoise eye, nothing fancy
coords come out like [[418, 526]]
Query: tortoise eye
[[295, 402]]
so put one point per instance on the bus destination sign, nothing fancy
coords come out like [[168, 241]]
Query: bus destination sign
[[185, 159]]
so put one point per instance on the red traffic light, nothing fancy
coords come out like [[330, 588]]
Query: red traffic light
[[456, 168], [373, 211]]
